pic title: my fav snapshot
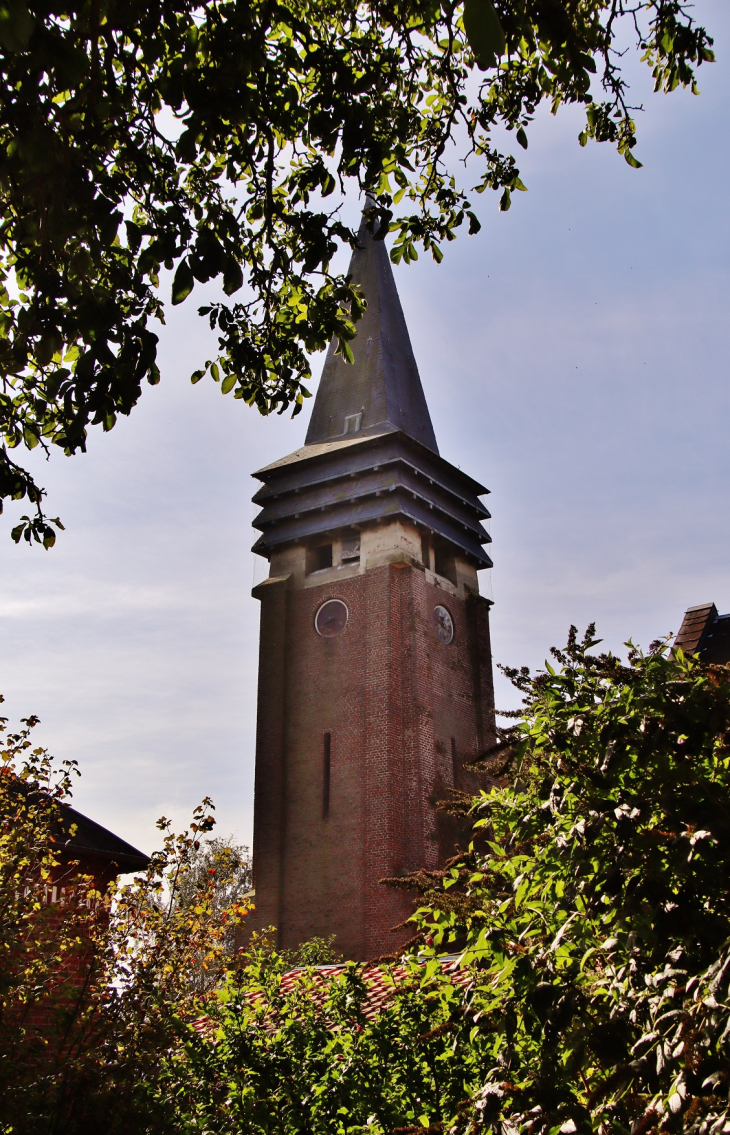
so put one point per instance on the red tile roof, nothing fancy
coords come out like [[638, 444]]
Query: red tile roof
[[382, 982]]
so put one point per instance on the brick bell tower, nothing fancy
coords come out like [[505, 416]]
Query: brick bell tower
[[375, 679]]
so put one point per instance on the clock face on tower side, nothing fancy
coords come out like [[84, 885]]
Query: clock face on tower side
[[443, 625], [331, 618]]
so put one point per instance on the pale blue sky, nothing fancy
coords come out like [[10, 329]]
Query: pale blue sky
[[575, 360]]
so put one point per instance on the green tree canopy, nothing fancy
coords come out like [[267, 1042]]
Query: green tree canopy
[[216, 140]]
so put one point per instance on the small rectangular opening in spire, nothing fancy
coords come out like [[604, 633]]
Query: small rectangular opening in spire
[[353, 423]]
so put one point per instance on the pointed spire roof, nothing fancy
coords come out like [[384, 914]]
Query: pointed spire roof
[[382, 392]]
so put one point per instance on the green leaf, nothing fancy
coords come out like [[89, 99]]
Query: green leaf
[[345, 350], [522, 138], [16, 25], [483, 32], [521, 892], [183, 283], [186, 148], [228, 383], [232, 277], [633, 162], [134, 235]]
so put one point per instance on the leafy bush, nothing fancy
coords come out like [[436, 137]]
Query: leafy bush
[[598, 918], [94, 990], [590, 915]]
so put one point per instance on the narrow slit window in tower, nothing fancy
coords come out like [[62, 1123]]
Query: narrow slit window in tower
[[326, 766]]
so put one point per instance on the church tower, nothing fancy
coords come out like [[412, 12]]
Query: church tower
[[375, 680]]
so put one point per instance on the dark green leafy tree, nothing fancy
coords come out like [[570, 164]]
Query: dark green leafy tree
[[216, 141], [598, 916]]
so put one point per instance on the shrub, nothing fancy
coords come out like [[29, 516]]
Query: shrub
[[598, 918], [590, 915]]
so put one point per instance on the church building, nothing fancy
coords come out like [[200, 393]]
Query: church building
[[375, 679]]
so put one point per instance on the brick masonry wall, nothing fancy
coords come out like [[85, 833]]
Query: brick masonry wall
[[403, 711], [51, 1014]]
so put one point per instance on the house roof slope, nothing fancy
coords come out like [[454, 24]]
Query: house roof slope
[[85, 838], [705, 633]]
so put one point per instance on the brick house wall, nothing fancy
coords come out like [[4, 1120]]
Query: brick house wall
[[86, 849]]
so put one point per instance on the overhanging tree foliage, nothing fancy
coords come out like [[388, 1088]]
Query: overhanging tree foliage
[[216, 140]]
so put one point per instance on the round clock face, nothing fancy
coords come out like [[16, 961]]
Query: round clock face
[[331, 618], [443, 624]]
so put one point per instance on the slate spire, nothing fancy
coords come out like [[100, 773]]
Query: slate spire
[[382, 391]]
